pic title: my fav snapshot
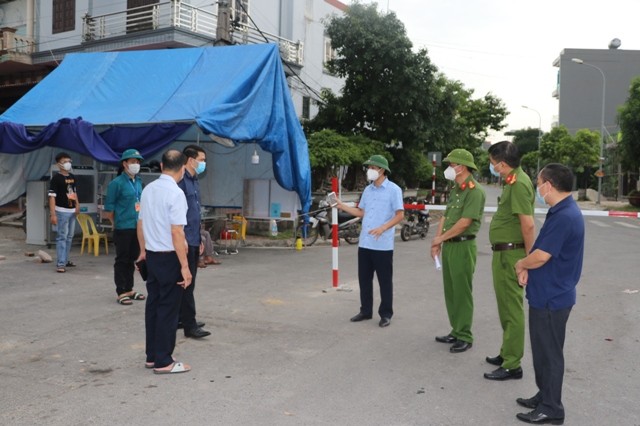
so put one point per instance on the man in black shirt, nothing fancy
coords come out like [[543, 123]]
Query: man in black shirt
[[63, 206]]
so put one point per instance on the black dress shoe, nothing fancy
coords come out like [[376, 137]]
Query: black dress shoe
[[198, 323], [384, 322], [360, 317], [504, 374], [539, 418], [446, 339], [529, 402], [197, 333], [460, 346], [496, 360]]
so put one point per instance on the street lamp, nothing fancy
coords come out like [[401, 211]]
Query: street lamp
[[539, 134], [602, 128]]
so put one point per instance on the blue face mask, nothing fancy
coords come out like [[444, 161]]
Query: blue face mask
[[202, 165], [539, 197], [493, 170]]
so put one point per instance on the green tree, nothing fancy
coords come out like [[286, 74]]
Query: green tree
[[329, 150], [395, 95], [525, 139], [388, 92], [580, 152], [629, 118]]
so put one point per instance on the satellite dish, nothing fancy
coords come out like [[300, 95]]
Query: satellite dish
[[615, 43]]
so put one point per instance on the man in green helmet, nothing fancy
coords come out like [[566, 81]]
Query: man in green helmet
[[455, 245], [381, 209]]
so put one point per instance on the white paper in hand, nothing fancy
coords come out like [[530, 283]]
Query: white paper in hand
[[436, 259]]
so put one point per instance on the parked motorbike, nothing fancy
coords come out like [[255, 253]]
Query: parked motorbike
[[319, 225], [416, 223]]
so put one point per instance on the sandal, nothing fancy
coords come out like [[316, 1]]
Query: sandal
[[124, 300], [151, 364], [70, 264], [176, 367], [61, 269], [137, 296]]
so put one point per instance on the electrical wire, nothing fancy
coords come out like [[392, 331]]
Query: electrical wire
[[311, 89]]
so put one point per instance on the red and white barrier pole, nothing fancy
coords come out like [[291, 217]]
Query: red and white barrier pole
[[433, 180], [334, 233], [537, 210]]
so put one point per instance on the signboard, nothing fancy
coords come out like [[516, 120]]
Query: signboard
[[599, 173]]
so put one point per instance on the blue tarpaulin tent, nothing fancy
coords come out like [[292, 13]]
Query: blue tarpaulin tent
[[100, 104]]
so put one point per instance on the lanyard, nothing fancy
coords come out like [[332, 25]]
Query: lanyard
[[135, 189]]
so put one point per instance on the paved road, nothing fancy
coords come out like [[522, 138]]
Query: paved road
[[283, 352]]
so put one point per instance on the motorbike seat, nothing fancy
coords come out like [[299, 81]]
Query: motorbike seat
[[343, 216]]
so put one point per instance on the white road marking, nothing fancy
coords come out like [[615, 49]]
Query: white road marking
[[600, 224], [628, 225]]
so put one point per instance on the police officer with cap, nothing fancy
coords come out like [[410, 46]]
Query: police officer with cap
[[121, 208], [455, 245]]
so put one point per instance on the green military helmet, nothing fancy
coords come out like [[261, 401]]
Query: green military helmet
[[461, 156], [131, 153], [378, 161]]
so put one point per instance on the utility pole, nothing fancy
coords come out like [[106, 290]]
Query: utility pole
[[223, 26]]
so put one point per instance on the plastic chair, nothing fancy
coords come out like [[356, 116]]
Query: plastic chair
[[239, 224], [91, 235]]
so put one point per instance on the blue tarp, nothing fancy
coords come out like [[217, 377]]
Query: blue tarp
[[146, 99]]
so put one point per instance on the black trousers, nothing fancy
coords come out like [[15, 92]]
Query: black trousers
[[380, 262], [188, 304], [127, 251], [163, 306], [547, 330]]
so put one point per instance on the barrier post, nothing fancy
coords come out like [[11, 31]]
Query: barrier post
[[334, 233], [433, 181]]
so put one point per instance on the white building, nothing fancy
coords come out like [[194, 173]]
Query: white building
[[36, 34]]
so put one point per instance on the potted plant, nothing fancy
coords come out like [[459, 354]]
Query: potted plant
[[634, 198]]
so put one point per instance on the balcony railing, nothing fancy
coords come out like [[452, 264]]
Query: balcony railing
[[176, 14], [15, 45]]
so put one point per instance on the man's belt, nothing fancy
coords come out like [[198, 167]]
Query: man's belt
[[461, 238], [506, 246]]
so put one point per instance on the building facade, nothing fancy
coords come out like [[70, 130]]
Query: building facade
[[592, 84], [579, 86], [35, 35]]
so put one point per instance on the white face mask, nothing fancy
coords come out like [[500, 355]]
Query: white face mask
[[450, 173], [372, 175], [66, 166], [134, 168]]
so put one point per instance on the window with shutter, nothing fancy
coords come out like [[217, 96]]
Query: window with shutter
[[64, 16]]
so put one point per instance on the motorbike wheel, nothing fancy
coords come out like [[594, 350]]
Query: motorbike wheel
[[424, 232], [353, 234], [307, 233], [405, 233]]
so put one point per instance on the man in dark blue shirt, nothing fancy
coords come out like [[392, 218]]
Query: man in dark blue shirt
[[550, 273], [196, 165]]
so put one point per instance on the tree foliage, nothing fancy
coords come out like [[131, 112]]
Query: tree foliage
[[397, 96], [629, 117], [580, 152], [329, 150], [525, 139]]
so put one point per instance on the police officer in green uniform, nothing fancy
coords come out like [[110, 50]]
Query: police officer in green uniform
[[455, 245], [512, 233]]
